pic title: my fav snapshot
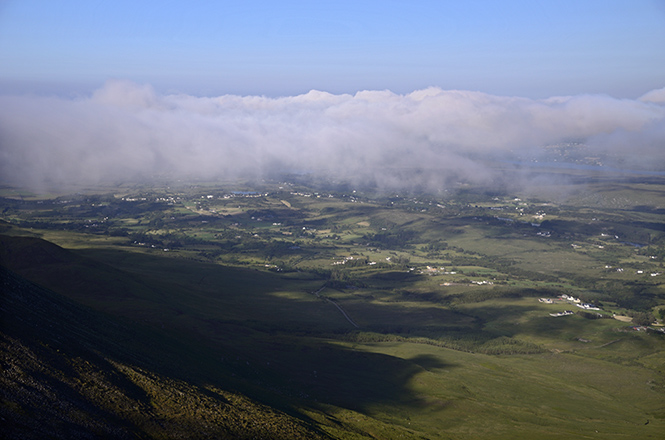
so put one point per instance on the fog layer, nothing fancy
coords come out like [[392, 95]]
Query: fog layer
[[426, 138]]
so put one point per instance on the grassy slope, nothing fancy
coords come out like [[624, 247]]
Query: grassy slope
[[188, 358], [466, 395], [71, 372], [257, 337]]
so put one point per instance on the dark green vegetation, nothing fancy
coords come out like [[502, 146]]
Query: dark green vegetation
[[288, 310]]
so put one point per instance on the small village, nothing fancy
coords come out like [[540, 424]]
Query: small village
[[569, 299]]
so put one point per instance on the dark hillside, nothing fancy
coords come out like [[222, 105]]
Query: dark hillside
[[64, 271], [71, 372]]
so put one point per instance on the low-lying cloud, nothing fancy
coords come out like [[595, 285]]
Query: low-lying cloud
[[427, 138]]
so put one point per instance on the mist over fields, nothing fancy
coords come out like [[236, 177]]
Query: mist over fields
[[428, 138]]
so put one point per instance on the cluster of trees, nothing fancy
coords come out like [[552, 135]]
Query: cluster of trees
[[400, 239], [434, 248], [341, 279], [644, 318], [474, 296], [465, 339]]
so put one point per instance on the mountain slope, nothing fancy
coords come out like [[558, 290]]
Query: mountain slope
[[71, 372]]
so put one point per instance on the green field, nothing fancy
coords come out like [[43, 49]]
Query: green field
[[239, 311]]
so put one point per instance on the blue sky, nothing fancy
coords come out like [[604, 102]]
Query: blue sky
[[104, 90], [527, 48]]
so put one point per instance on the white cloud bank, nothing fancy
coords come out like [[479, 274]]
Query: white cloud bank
[[125, 131]]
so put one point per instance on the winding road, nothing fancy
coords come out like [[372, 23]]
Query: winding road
[[348, 318]]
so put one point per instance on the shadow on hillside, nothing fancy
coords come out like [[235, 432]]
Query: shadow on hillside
[[293, 370], [329, 373], [429, 362]]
